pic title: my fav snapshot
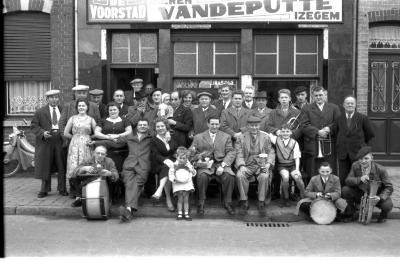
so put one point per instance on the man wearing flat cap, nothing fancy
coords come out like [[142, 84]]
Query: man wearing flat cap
[[49, 154], [301, 97], [357, 183], [203, 112], [262, 111], [130, 96], [255, 158], [96, 96]]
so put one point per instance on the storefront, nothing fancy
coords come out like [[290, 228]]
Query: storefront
[[203, 44]]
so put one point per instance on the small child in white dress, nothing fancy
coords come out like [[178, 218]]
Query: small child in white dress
[[181, 174]]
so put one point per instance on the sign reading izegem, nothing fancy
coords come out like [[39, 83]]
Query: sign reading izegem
[[175, 11]]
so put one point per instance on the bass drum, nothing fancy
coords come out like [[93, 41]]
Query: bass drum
[[96, 200], [323, 211]]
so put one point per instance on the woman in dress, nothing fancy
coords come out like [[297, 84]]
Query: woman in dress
[[162, 158], [79, 128]]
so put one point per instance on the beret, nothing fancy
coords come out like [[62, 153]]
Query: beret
[[156, 90], [300, 89], [140, 95], [262, 94], [136, 80], [204, 93], [363, 151], [253, 119], [96, 92], [80, 88], [52, 92]]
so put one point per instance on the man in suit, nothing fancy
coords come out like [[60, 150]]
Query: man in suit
[[142, 109], [203, 112], [301, 97], [327, 186], [119, 98], [219, 145], [357, 183], [182, 120], [130, 96], [262, 111], [354, 131], [226, 101], [251, 148], [48, 147], [96, 96], [317, 122], [234, 119], [136, 167], [248, 102]]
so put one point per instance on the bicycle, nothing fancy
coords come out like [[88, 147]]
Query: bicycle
[[18, 153]]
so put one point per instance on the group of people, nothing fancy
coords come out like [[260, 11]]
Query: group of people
[[235, 139]]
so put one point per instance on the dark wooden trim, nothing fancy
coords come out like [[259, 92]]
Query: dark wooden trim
[[132, 65], [378, 51]]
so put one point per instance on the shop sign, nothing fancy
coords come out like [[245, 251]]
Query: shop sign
[[175, 11]]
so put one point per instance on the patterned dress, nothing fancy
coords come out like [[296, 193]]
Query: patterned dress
[[78, 150]]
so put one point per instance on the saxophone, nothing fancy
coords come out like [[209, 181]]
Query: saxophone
[[368, 203]]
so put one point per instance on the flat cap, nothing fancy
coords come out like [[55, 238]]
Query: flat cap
[[363, 151], [156, 90], [253, 119], [261, 94], [136, 80], [80, 88], [96, 92], [300, 89], [140, 95], [204, 93], [52, 92]]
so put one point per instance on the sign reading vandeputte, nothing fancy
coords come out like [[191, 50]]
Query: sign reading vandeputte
[[316, 11]]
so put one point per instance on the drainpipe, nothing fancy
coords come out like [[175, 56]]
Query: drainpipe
[[76, 41], [355, 37]]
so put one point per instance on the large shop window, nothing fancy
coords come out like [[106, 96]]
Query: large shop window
[[136, 48], [27, 61], [287, 55]]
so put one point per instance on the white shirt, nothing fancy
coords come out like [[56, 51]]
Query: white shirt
[[321, 107], [226, 103], [51, 116], [204, 109], [349, 117], [296, 149], [324, 179], [212, 136], [249, 104]]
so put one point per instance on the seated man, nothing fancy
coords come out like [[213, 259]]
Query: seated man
[[98, 165], [218, 147], [251, 147], [362, 171], [325, 185]]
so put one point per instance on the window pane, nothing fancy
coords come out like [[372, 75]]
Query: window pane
[[149, 55], [225, 64], [119, 40], [266, 64], [25, 97], [286, 53], [148, 40], [185, 47], [265, 43], [205, 58], [306, 43], [134, 48], [120, 56], [306, 64], [225, 47], [184, 64]]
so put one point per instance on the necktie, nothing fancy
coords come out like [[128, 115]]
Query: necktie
[[237, 112], [54, 117], [213, 138], [348, 120]]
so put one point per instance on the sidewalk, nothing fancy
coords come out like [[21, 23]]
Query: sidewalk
[[21, 190]]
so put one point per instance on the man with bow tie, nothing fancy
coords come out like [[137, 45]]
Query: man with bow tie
[[49, 154], [219, 144]]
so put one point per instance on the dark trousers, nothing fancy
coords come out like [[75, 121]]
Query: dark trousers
[[227, 181], [344, 169], [353, 196], [134, 181]]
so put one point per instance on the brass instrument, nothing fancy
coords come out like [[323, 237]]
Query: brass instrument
[[324, 146], [368, 203], [294, 123]]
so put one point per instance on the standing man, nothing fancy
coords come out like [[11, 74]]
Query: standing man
[[262, 111], [49, 152], [226, 101], [219, 145], [149, 88], [363, 171], [136, 167], [248, 102], [354, 131], [317, 123], [301, 97], [250, 147], [119, 98], [203, 112], [96, 96], [137, 86], [234, 119], [181, 122], [142, 109]]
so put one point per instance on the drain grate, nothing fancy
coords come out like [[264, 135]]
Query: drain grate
[[267, 224]]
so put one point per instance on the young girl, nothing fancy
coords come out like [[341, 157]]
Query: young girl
[[180, 174]]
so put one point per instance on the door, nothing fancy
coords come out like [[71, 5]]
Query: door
[[384, 106]]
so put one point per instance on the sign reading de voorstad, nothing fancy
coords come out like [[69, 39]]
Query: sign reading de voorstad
[[175, 11]]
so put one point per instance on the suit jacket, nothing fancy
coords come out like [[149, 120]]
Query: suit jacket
[[108, 164], [232, 124], [103, 110], [378, 173], [220, 105], [350, 140], [313, 119], [200, 118], [159, 153], [129, 99], [69, 110], [222, 149], [184, 123], [277, 119], [150, 113], [253, 106], [139, 153], [242, 146], [264, 116], [40, 123], [300, 106], [124, 110]]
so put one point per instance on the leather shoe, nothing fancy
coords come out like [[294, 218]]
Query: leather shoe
[[261, 208], [229, 209], [76, 203], [382, 218], [42, 194], [125, 214], [245, 206], [63, 193], [200, 209]]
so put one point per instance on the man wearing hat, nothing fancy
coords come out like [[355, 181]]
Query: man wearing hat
[[137, 86], [142, 109], [255, 158], [301, 97], [203, 112], [96, 96], [363, 171], [262, 111], [49, 154]]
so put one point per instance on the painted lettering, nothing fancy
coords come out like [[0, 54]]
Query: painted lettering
[[251, 6], [318, 15], [268, 6], [165, 14], [306, 5], [200, 11], [183, 12], [235, 8], [323, 5], [217, 10], [289, 5], [93, 11]]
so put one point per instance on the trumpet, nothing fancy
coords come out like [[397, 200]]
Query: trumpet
[[324, 146]]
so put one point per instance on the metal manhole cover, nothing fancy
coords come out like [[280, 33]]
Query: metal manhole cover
[[267, 224]]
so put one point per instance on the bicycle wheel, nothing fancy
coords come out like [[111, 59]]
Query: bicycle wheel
[[11, 167]]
